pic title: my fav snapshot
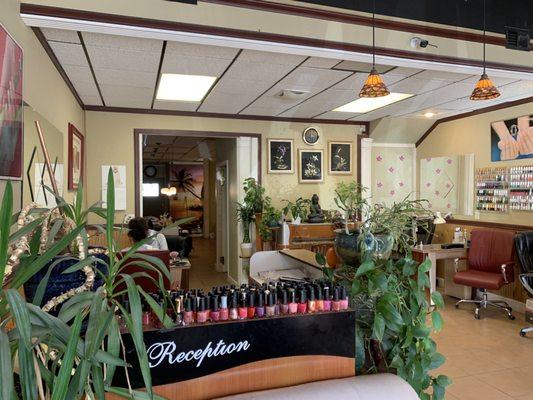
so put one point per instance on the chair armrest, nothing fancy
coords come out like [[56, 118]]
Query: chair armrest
[[524, 280], [504, 270], [456, 262]]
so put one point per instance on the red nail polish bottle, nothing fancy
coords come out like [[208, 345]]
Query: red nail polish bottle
[[224, 312], [251, 305], [302, 305], [336, 304], [215, 311], [284, 306], [233, 310], [327, 299], [293, 306], [202, 314], [187, 314], [270, 309], [311, 303], [243, 310]]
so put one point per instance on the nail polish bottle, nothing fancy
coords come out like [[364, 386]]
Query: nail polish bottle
[[260, 307], [327, 299], [311, 303], [224, 312], [202, 314], [276, 303], [284, 306], [233, 311], [270, 309], [187, 314], [336, 304], [179, 312], [251, 305], [319, 299], [194, 304], [243, 310], [344, 298], [214, 315], [302, 305], [293, 306], [147, 315]]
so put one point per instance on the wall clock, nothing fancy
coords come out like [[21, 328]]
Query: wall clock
[[311, 136], [150, 171]]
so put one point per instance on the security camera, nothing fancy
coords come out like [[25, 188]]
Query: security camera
[[419, 43]]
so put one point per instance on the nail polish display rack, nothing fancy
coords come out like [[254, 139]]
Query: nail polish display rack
[[492, 189], [521, 188]]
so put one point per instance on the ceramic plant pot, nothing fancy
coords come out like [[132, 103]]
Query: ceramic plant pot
[[347, 246]]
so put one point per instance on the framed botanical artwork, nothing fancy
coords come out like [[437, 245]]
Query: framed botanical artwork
[[11, 108], [76, 156], [340, 158], [280, 156], [311, 163]]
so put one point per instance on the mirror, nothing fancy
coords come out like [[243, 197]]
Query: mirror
[[35, 173]]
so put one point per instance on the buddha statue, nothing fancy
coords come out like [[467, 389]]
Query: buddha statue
[[316, 215]]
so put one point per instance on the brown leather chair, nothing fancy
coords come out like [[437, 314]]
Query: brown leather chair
[[132, 267], [490, 267]]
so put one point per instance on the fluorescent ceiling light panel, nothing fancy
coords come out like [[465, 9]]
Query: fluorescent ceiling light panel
[[365, 104], [177, 87]]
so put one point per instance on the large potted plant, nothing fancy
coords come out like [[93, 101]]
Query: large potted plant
[[254, 194], [299, 209], [246, 215], [349, 198], [46, 357]]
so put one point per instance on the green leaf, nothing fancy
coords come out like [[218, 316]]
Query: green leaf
[[110, 214], [5, 226], [67, 362], [437, 360], [437, 299], [425, 266], [320, 259], [364, 268], [421, 331], [6, 373], [378, 328], [443, 380], [113, 348], [98, 381], [438, 392], [437, 321], [161, 314], [356, 288]]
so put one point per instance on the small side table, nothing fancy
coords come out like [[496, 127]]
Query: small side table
[[180, 272]]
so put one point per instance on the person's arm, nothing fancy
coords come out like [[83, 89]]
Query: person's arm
[[161, 242], [508, 146], [525, 135]]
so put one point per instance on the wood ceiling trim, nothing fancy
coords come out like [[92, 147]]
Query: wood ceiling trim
[[472, 113], [57, 12], [224, 116], [158, 79]]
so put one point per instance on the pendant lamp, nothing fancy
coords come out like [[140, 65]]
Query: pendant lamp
[[485, 89], [374, 85]]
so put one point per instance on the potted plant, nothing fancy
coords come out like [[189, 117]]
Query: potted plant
[[254, 194], [246, 214], [271, 216], [299, 209], [349, 198]]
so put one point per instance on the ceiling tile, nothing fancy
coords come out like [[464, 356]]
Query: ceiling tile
[[79, 74], [69, 53], [356, 66], [270, 58], [122, 42], [197, 50], [126, 78], [91, 100], [320, 62], [176, 105], [337, 115], [516, 89], [257, 71], [442, 75], [497, 80], [437, 113], [126, 60], [127, 96], [86, 88], [60, 35], [453, 91], [415, 85], [190, 65], [404, 71]]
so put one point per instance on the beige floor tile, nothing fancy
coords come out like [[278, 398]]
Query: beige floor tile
[[471, 388], [514, 382]]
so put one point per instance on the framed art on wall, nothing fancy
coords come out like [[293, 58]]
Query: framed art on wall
[[11, 107], [512, 139], [311, 163], [76, 155], [340, 158], [280, 156]]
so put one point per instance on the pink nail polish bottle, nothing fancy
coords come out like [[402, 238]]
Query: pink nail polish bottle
[[202, 314], [215, 311], [327, 299], [302, 305], [293, 306], [224, 312], [336, 304], [311, 303], [233, 310], [344, 298], [284, 306], [187, 314], [270, 309], [319, 299]]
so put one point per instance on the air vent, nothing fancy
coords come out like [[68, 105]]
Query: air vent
[[291, 94], [518, 39]]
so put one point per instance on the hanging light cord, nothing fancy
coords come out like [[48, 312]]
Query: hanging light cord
[[484, 31], [373, 33]]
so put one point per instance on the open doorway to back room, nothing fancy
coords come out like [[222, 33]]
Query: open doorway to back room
[[196, 176]]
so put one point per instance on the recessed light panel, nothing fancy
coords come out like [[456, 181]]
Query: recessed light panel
[[365, 104], [177, 87]]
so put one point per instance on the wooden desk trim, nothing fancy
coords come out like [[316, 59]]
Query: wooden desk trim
[[488, 224]]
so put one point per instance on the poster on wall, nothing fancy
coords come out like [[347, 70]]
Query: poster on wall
[[512, 139], [119, 179], [280, 160], [188, 179], [11, 107], [311, 164], [340, 158], [76, 154]]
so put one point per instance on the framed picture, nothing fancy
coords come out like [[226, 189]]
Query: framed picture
[[280, 156], [76, 155], [11, 108], [515, 133], [311, 164], [340, 158]]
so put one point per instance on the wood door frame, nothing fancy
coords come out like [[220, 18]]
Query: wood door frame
[[225, 245], [138, 132]]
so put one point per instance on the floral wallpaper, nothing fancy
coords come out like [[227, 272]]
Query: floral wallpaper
[[439, 182], [392, 174]]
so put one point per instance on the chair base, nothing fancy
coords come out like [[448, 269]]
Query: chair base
[[484, 302], [523, 331]]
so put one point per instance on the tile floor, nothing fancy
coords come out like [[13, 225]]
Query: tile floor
[[486, 359]]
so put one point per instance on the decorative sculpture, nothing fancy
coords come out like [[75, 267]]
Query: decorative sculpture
[[316, 215]]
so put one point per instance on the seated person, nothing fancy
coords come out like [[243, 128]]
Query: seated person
[[138, 231], [159, 241]]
